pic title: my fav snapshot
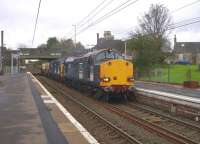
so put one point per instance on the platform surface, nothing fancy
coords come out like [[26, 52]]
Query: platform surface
[[72, 130], [22, 114], [19, 121], [175, 89]]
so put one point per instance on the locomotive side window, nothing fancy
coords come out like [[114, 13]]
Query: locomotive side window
[[80, 66], [80, 72]]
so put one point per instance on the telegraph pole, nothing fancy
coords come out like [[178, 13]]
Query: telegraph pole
[[75, 35]]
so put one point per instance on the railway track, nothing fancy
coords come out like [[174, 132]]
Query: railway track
[[113, 131], [187, 124], [182, 127], [160, 129]]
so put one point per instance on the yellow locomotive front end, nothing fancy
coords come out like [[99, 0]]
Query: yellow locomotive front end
[[116, 75]]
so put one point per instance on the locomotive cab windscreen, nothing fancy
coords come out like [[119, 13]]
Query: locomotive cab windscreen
[[106, 55]]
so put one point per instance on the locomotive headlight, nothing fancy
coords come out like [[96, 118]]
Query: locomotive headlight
[[130, 79], [106, 79]]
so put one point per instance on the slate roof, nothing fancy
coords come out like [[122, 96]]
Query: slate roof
[[112, 44], [187, 47]]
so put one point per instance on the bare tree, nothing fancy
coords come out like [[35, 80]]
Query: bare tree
[[156, 22], [150, 41]]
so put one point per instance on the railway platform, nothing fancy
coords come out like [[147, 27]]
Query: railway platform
[[172, 98], [169, 88], [30, 114]]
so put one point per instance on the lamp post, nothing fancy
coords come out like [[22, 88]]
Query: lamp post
[[16, 57]]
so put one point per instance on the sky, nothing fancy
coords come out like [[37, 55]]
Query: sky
[[57, 17]]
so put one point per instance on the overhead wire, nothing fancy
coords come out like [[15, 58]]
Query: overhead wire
[[110, 13], [186, 20], [187, 5], [36, 21], [183, 25], [125, 5], [180, 8], [92, 14], [97, 12], [114, 11]]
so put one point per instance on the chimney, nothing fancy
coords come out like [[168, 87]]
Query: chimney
[[175, 41], [1, 49], [97, 39], [1, 39]]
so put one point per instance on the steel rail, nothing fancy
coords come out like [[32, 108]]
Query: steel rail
[[172, 136], [125, 135], [178, 121]]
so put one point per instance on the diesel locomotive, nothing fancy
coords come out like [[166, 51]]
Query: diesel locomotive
[[103, 72]]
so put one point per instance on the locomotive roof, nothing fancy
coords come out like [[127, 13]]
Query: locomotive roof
[[72, 58], [96, 52], [60, 60]]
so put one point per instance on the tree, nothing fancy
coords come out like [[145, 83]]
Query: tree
[[67, 43], [67, 46], [156, 22], [151, 38], [79, 45], [52, 42], [42, 46], [146, 52]]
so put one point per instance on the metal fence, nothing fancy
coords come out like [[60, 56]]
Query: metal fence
[[171, 74]]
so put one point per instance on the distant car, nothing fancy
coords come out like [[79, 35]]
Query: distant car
[[183, 62]]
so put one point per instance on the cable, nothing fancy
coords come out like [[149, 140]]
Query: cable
[[110, 13], [187, 5], [91, 12], [118, 10], [184, 25], [195, 18], [35, 27], [114, 11], [173, 26], [109, 2]]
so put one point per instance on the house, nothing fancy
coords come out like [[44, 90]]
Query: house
[[187, 51], [108, 41]]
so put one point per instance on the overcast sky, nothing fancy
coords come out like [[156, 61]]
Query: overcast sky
[[17, 18]]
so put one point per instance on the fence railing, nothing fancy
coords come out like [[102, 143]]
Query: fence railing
[[171, 74]]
